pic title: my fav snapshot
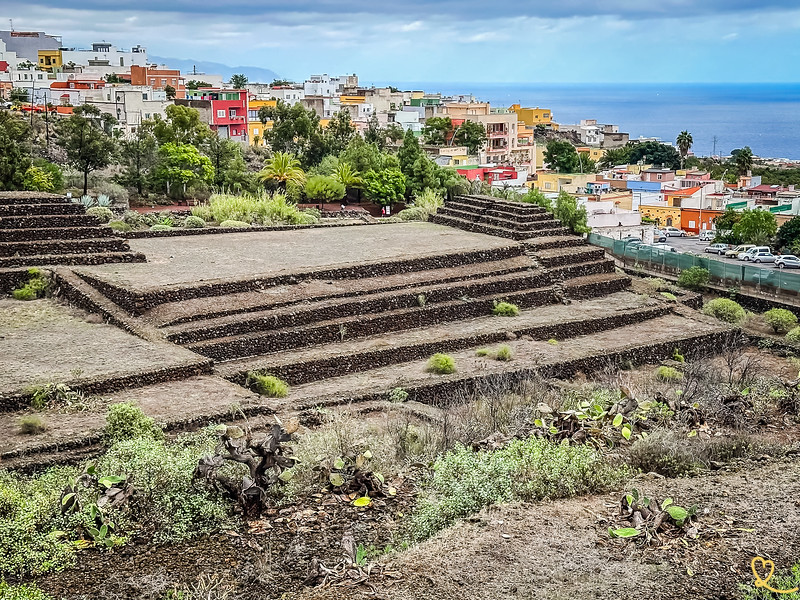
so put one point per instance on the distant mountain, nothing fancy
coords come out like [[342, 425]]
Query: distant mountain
[[254, 74]]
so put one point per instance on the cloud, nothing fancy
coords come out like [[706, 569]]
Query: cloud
[[730, 36]]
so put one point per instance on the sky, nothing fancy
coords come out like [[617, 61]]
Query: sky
[[492, 41]]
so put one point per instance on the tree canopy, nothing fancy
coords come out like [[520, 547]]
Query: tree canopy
[[656, 154], [562, 156], [756, 226], [14, 160], [86, 139]]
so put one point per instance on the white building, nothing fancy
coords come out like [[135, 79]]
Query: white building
[[327, 87], [104, 54], [589, 132], [130, 104]]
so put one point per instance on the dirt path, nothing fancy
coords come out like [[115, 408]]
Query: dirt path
[[560, 550]]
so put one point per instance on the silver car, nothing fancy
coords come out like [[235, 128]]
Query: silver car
[[716, 249], [762, 257], [787, 261]]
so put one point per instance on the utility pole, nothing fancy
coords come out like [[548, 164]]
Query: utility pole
[[715, 147]]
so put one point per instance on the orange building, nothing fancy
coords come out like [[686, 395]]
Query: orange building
[[694, 220], [159, 79]]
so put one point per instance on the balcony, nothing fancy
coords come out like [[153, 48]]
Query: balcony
[[493, 135]]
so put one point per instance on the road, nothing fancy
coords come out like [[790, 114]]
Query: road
[[695, 246]]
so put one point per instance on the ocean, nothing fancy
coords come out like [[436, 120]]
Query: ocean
[[764, 116]]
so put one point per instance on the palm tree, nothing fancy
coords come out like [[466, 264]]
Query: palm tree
[[282, 168], [614, 156], [744, 160], [684, 142], [347, 176]]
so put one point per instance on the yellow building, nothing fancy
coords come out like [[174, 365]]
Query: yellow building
[[50, 60], [535, 116], [594, 153], [352, 100], [255, 128], [662, 215], [574, 183]]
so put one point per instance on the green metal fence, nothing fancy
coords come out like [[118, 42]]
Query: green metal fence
[[723, 273]]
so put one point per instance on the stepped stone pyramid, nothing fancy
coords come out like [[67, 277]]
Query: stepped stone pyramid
[[39, 229]]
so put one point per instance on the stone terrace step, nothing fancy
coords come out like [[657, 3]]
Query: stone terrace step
[[526, 224], [556, 241], [507, 206], [71, 259], [244, 303], [22, 210], [563, 256], [325, 332], [32, 198], [572, 270], [504, 232], [587, 286], [351, 356], [346, 307], [37, 221], [57, 233], [38, 248]]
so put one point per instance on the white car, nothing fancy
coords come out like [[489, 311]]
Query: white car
[[707, 235], [673, 232], [787, 261], [665, 247], [763, 257], [716, 249], [749, 254]]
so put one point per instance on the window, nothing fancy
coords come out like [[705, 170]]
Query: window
[[255, 131], [144, 95], [547, 185], [659, 176], [163, 82], [221, 113], [231, 113], [121, 61]]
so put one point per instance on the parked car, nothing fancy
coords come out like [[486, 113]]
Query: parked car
[[734, 253], [763, 257], [748, 255], [716, 249], [673, 232], [665, 247], [707, 235], [787, 261], [631, 241], [658, 236]]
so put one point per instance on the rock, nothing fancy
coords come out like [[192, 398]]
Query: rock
[[510, 335]]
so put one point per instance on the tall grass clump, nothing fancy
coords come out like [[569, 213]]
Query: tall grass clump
[[464, 482], [267, 385], [441, 364], [261, 209]]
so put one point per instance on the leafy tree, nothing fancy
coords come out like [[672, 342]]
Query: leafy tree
[[280, 83], [238, 81], [727, 220], [194, 84], [409, 152], [586, 164], [756, 226], [14, 161], [684, 142], [182, 165], [394, 132], [347, 176], [224, 154], [170, 91], [38, 180], [18, 95], [470, 134], [571, 215], [561, 156], [86, 139], [655, 153], [788, 234], [424, 174], [339, 132], [138, 157], [297, 131], [536, 196], [281, 169], [743, 160], [182, 126], [113, 78], [385, 187], [320, 188], [437, 130], [365, 157], [616, 156], [375, 134]]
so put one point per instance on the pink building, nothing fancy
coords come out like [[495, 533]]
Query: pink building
[[225, 110], [658, 175]]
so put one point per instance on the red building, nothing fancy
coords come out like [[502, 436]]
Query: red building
[[224, 110]]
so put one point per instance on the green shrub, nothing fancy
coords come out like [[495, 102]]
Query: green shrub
[[414, 213], [119, 226], [482, 352], [725, 310], [783, 580], [234, 224], [124, 421], [664, 373], [267, 385], [21, 592], [693, 278], [31, 425], [504, 353], [669, 297], [320, 188], [194, 222], [793, 336], [464, 481], [665, 452], [780, 319], [429, 201], [161, 227], [398, 394], [34, 288], [505, 309], [441, 364], [264, 209], [203, 211], [135, 220], [102, 213]]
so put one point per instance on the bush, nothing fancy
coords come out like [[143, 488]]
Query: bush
[[665, 452], [413, 214], [504, 353], [668, 374], [263, 209], [119, 226], [464, 481], [725, 310], [693, 278], [320, 188], [135, 220], [428, 201], [103, 213], [193, 222], [124, 421], [34, 288], [234, 224], [21, 592], [441, 364], [793, 337], [267, 385], [669, 297], [482, 352], [31, 425], [203, 212], [114, 191], [780, 319], [161, 227], [505, 309]]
